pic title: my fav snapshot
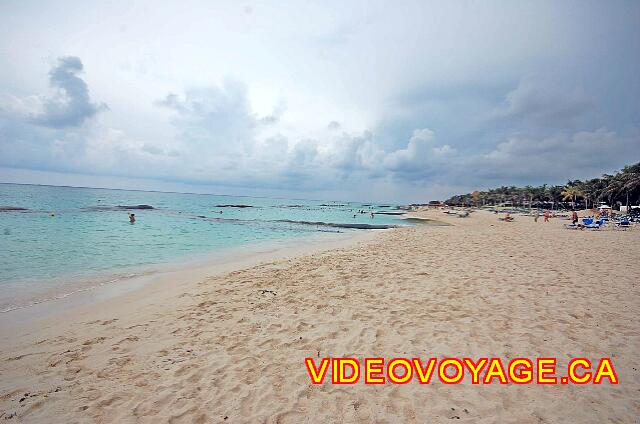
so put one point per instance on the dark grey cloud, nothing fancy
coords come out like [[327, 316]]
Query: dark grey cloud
[[539, 103], [558, 156], [70, 104]]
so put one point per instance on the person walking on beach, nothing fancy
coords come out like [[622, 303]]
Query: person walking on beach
[[574, 217], [546, 215], [536, 216]]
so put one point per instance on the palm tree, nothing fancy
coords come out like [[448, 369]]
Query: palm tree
[[571, 192], [610, 187], [539, 193], [614, 187], [555, 195], [528, 192], [630, 180], [588, 190]]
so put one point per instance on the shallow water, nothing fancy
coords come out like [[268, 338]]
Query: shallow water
[[68, 236]]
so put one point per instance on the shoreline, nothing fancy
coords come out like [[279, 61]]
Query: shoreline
[[231, 346], [203, 265]]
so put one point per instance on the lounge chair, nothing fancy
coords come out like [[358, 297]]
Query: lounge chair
[[595, 225], [623, 225]]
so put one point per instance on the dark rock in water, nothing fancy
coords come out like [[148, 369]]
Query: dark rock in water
[[118, 208], [143, 207], [233, 206], [365, 226], [12, 209], [336, 225], [98, 208]]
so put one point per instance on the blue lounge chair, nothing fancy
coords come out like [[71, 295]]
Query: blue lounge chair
[[623, 225], [595, 225]]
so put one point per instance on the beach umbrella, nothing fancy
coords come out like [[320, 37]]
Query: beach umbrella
[[604, 207]]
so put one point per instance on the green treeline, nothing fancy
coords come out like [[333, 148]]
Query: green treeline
[[623, 188]]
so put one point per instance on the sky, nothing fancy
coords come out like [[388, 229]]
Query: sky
[[361, 100]]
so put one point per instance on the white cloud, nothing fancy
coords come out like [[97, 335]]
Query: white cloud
[[421, 156], [444, 150]]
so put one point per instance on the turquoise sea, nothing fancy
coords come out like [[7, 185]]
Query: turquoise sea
[[50, 236]]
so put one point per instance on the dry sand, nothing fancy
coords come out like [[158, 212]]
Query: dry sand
[[230, 348]]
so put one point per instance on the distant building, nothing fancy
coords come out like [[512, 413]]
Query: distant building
[[623, 209], [435, 204]]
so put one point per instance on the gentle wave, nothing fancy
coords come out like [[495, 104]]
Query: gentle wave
[[67, 294]]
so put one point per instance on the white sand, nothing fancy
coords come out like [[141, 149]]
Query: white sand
[[222, 350]]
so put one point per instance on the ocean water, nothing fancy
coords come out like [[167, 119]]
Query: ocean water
[[67, 237]]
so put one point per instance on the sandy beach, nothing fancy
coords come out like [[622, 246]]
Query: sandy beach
[[230, 347]]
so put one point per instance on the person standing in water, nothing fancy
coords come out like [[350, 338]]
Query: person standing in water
[[132, 218]]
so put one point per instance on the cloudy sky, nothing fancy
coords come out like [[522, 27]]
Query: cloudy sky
[[388, 101]]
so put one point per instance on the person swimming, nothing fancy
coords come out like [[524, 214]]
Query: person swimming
[[132, 218]]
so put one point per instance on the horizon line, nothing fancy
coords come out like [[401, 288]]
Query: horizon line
[[198, 194]]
